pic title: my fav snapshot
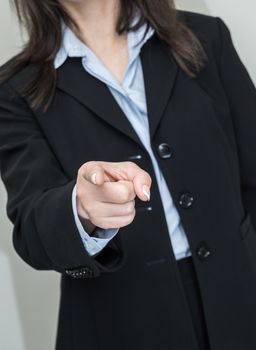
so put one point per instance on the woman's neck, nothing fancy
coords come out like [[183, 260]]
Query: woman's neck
[[96, 20]]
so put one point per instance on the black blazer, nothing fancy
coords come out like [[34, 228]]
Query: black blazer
[[130, 295]]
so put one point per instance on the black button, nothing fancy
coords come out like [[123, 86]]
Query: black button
[[83, 272], [164, 150], [186, 200], [203, 251]]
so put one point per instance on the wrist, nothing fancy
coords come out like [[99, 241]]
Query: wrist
[[84, 218], [87, 225]]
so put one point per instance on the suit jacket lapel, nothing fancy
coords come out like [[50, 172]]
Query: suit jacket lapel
[[159, 75], [94, 94], [160, 70]]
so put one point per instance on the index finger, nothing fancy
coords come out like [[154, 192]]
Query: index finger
[[131, 171]]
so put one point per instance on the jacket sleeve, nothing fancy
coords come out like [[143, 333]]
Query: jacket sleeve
[[39, 196], [241, 94]]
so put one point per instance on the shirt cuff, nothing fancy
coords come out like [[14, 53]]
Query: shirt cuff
[[93, 244]]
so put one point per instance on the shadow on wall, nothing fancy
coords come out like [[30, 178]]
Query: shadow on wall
[[28, 298]]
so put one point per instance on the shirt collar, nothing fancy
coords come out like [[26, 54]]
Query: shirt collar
[[72, 46]]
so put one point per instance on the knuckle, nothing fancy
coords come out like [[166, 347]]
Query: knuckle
[[103, 225], [78, 190], [130, 164], [123, 194], [132, 194], [90, 163], [80, 171], [129, 208], [94, 219], [89, 210], [131, 218]]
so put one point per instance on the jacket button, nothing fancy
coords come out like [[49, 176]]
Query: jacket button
[[186, 200], [164, 150], [83, 272], [202, 251]]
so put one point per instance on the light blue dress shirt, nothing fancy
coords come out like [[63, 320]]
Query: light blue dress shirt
[[130, 95]]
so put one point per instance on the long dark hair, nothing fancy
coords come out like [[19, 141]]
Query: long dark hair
[[42, 22]]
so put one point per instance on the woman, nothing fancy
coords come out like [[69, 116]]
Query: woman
[[127, 142]]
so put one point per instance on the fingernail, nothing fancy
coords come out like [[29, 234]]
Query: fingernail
[[146, 191], [93, 178]]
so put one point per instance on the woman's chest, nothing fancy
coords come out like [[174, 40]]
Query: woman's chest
[[192, 123]]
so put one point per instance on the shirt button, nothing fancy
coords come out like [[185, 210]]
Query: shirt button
[[202, 251], [186, 200], [164, 150]]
